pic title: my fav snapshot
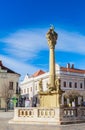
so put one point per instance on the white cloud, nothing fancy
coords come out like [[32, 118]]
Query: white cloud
[[71, 42], [24, 45], [19, 67]]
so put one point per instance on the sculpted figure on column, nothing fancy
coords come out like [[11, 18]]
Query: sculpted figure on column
[[52, 37]]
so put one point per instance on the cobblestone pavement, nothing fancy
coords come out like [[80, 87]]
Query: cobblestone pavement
[[6, 116]]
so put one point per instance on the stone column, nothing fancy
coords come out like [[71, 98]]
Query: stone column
[[52, 67], [51, 37]]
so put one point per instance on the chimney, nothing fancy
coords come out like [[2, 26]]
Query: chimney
[[0, 63], [72, 66], [68, 65]]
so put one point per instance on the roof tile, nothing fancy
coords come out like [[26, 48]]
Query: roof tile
[[39, 72], [73, 70]]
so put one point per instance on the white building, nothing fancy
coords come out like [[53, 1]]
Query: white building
[[9, 81], [70, 77]]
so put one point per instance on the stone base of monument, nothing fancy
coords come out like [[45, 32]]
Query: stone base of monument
[[32, 115], [50, 99], [48, 116]]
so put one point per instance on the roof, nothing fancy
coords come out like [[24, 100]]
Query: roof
[[39, 72], [73, 70], [7, 69]]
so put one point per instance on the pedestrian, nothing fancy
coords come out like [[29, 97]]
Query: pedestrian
[[73, 104], [69, 104], [27, 102], [34, 104]]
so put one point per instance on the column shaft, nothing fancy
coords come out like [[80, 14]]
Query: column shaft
[[52, 68]]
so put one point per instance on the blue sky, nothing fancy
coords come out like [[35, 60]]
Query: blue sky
[[23, 28]]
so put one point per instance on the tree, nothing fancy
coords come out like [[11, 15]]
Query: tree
[[72, 95]]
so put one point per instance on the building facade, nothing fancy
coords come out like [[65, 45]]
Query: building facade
[[9, 85], [71, 79]]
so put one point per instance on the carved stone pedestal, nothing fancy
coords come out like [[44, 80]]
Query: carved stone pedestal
[[50, 99]]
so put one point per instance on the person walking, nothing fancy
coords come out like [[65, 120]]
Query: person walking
[[27, 102]]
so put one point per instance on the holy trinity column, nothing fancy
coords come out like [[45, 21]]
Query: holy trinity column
[[51, 97], [52, 38]]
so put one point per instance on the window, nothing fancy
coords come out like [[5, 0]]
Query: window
[[64, 84], [80, 85], [11, 85], [0, 102], [24, 90], [17, 90], [31, 89], [36, 87], [75, 85], [21, 91], [70, 84], [28, 90]]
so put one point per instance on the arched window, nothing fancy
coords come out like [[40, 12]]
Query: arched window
[[11, 85], [64, 83], [70, 84], [80, 85], [75, 85]]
